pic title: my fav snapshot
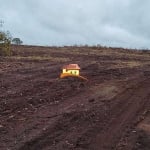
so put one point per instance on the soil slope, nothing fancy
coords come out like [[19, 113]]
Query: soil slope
[[40, 111]]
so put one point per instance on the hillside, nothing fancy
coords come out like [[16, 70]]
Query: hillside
[[40, 111]]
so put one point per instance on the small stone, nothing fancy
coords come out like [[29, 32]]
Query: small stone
[[56, 102], [91, 100], [1, 126], [12, 116], [44, 129]]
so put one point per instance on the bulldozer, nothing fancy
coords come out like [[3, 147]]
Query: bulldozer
[[72, 70]]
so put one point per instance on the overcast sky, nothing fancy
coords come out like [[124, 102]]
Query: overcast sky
[[121, 23]]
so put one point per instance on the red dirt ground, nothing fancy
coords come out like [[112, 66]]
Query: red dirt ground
[[39, 111]]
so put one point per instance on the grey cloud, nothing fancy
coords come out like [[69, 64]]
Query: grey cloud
[[66, 22]]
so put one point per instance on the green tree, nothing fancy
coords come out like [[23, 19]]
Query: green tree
[[17, 41], [5, 42]]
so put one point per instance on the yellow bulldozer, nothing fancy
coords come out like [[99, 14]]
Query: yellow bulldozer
[[71, 70]]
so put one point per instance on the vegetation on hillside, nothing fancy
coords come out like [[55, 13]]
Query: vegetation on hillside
[[17, 41], [5, 41]]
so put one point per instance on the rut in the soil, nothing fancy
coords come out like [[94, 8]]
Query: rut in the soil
[[123, 115]]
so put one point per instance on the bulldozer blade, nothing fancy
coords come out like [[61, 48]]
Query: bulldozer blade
[[65, 75]]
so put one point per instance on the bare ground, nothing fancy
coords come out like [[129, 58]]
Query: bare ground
[[39, 111]]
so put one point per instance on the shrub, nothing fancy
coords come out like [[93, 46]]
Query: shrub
[[4, 44]]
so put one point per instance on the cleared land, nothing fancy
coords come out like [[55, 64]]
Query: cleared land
[[39, 111]]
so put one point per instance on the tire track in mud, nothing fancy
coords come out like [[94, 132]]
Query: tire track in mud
[[94, 112], [67, 112], [123, 115]]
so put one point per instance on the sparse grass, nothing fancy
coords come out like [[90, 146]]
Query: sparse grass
[[128, 64], [104, 52], [39, 58]]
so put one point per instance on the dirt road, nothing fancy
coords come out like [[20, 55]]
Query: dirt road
[[39, 111]]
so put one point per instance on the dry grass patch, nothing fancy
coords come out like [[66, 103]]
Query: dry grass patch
[[39, 58]]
